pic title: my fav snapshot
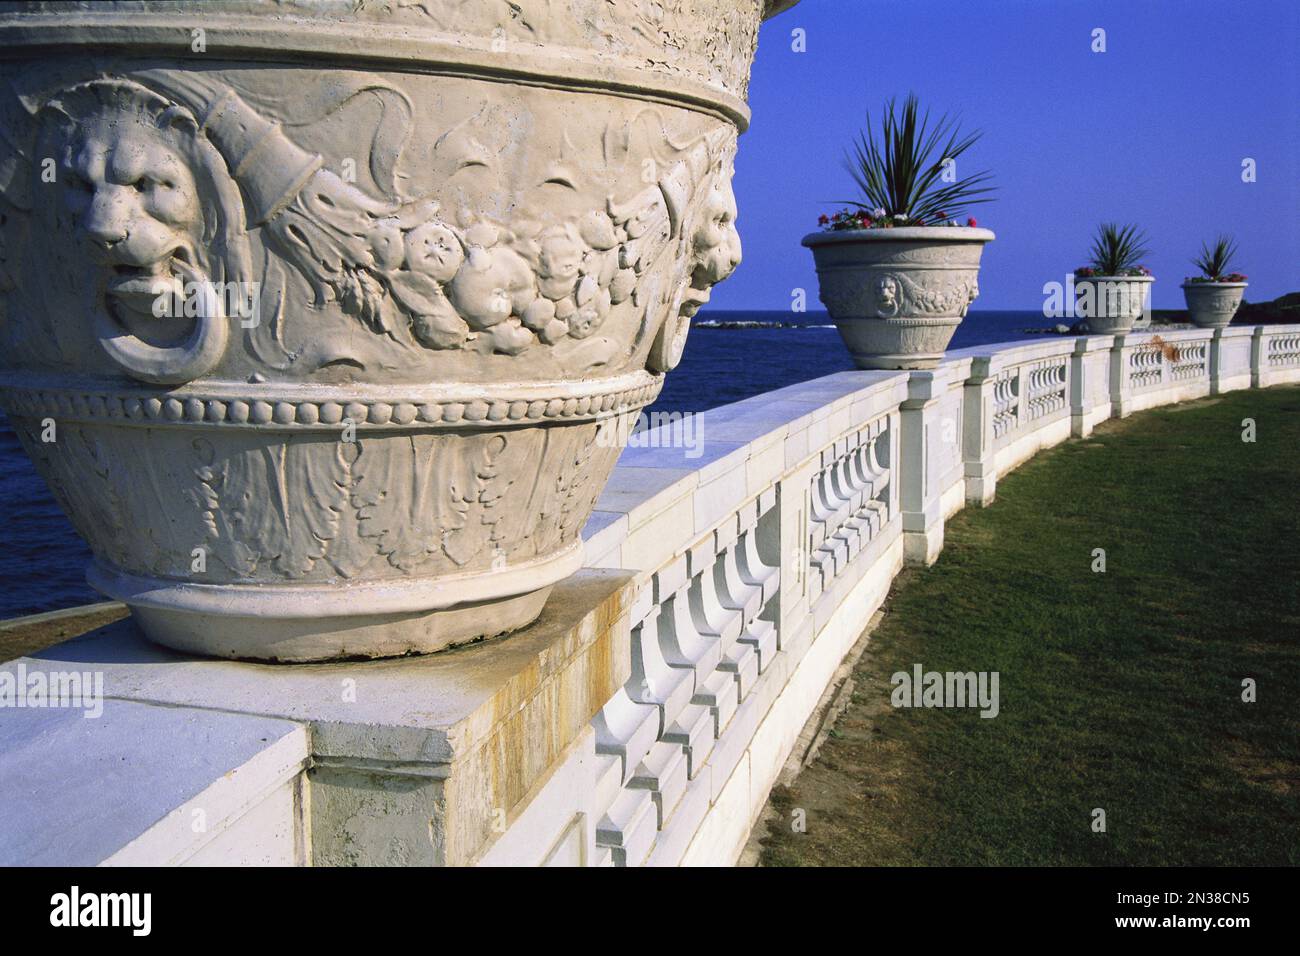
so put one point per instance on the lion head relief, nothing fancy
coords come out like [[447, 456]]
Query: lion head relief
[[147, 203]]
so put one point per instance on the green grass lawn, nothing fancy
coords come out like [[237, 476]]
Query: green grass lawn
[[1119, 690]]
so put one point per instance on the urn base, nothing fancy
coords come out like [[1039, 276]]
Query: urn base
[[906, 344], [368, 636], [360, 621]]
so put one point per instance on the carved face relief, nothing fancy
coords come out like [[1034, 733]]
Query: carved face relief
[[134, 202], [886, 296], [559, 260], [712, 247], [131, 172], [715, 244]]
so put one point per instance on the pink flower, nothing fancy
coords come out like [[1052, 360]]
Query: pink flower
[[971, 221]]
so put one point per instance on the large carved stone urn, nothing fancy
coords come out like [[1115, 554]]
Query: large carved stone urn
[[1211, 305], [897, 295], [321, 318], [1113, 305]]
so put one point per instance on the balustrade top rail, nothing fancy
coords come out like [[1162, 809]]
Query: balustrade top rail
[[658, 470]]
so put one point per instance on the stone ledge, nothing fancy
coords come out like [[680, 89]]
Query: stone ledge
[[451, 741], [81, 791]]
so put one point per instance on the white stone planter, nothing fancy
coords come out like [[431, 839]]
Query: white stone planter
[[416, 297], [1211, 305], [898, 295], [1112, 305]]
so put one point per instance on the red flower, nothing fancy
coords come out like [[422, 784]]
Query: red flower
[[823, 219], [971, 221]]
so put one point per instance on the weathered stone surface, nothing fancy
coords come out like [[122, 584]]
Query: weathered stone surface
[[348, 351], [418, 760], [81, 791]]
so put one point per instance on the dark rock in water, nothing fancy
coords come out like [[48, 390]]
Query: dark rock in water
[[1057, 329], [742, 324]]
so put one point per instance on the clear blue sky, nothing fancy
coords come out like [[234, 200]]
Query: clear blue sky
[[1152, 131]]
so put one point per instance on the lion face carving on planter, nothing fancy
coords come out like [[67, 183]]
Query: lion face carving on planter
[[129, 164]]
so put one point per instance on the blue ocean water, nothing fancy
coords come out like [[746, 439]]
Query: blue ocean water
[[728, 365], [42, 560]]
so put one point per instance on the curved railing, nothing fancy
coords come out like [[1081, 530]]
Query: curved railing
[[764, 548], [753, 544]]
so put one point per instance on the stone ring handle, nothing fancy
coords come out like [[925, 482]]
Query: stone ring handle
[[177, 364], [887, 293]]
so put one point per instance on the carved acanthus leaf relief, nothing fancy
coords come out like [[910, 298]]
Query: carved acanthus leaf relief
[[311, 508]]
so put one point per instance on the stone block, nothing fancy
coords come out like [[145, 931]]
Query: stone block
[[87, 791], [664, 772], [694, 728], [455, 739]]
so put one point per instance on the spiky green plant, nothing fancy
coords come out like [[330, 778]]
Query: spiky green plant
[[901, 171], [1214, 260], [1117, 249]]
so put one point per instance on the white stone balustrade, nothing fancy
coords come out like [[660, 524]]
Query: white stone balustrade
[[757, 555], [1159, 368], [1277, 356]]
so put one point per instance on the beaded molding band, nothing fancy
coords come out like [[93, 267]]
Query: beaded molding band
[[191, 406]]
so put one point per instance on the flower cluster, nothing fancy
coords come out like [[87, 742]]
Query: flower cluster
[[1088, 272], [1230, 277], [879, 219]]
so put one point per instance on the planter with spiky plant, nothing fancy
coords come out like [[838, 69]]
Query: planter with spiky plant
[[1214, 295], [896, 270], [1113, 290]]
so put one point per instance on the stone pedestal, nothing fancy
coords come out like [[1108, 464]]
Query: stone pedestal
[[1121, 400], [931, 419], [413, 761], [1090, 395], [979, 462]]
